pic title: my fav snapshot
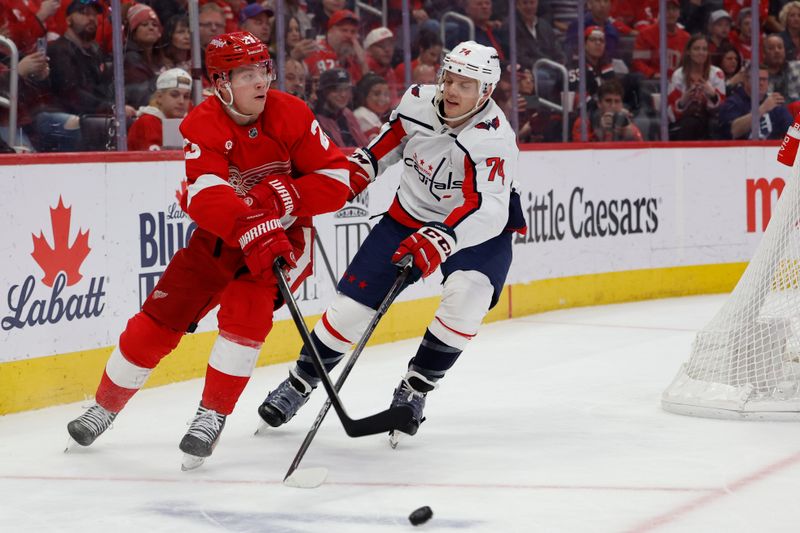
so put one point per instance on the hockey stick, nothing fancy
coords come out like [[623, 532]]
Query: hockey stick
[[313, 477], [388, 420]]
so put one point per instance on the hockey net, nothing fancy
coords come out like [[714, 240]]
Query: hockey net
[[746, 362]]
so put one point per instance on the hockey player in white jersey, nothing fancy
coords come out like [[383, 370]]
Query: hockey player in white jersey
[[455, 208]]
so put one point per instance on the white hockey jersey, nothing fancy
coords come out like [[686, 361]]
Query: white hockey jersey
[[461, 177]]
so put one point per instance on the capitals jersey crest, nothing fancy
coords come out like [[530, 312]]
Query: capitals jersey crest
[[489, 124], [415, 90]]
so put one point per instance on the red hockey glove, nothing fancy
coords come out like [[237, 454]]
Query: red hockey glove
[[263, 240], [429, 246], [275, 191], [362, 171]]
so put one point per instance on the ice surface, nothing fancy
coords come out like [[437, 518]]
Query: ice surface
[[547, 423]]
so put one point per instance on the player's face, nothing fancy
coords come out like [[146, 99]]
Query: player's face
[[249, 85], [460, 94], [174, 103]]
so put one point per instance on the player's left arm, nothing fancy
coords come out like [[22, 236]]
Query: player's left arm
[[321, 184], [489, 167]]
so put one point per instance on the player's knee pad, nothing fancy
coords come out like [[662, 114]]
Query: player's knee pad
[[234, 356], [343, 323], [466, 298], [145, 341]]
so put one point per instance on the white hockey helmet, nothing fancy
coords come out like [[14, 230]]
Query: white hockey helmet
[[474, 61]]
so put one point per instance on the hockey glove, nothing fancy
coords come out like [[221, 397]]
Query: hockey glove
[[261, 236], [275, 191], [363, 168], [429, 246]]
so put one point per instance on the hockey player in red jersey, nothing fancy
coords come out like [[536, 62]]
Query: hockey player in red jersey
[[255, 179], [455, 208]]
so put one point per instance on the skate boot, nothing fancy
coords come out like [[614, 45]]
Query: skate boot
[[202, 437], [90, 425], [283, 403], [411, 392]]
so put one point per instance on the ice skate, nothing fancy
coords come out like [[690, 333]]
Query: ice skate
[[202, 437], [283, 403], [411, 392], [90, 425]]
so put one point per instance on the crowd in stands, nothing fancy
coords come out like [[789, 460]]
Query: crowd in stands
[[350, 69]]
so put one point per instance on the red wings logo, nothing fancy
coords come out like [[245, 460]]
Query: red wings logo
[[489, 124], [61, 257]]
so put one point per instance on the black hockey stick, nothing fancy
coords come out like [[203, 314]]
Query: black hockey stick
[[394, 290], [388, 420]]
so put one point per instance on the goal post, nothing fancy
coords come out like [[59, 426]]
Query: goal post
[[745, 363]]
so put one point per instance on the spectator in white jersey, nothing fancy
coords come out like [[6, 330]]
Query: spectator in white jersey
[[455, 208]]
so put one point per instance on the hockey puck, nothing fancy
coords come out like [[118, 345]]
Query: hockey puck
[[420, 516]]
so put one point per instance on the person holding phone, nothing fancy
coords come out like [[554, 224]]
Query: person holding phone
[[299, 46], [27, 23]]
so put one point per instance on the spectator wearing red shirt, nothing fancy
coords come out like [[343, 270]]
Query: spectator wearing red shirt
[[340, 49], [429, 48], [170, 100], [646, 57], [379, 45], [26, 21], [635, 13], [741, 38]]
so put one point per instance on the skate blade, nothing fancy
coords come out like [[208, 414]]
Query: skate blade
[[306, 478], [71, 445], [262, 428], [190, 462], [394, 438]]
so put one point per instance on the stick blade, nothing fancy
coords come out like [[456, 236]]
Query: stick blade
[[383, 422], [306, 478]]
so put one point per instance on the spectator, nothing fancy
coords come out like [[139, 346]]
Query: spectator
[[297, 47], [735, 7], [26, 21], [321, 13], [535, 36], [597, 15], [610, 121], [212, 23], [340, 49], [170, 100], [635, 13], [379, 45], [32, 96], [694, 15], [487, 32], [429, 52], [256, 19], [295, 78], [784, 76], [719, 31], [790, 19], [696, 90], [175, 50], [735, 117], [730, 62], [333, 96], [296, 9], [646, 48], [80, 75], [741, 37], [372, 102], [598, 66], [423, 74], [141, 61]]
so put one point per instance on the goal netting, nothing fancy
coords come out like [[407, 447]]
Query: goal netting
[[746, 362]]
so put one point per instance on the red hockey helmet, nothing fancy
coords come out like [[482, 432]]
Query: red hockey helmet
[[231, 50]]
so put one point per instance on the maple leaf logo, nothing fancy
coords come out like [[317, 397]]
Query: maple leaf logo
[[182, 194], [61, 257]]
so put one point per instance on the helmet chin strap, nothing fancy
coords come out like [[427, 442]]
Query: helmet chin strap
[[230, 105]]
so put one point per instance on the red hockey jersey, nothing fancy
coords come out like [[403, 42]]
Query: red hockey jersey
[[225, 160]]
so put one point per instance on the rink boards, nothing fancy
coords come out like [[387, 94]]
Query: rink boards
[[88, 235]]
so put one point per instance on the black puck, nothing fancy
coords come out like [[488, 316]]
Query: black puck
[[420, 516]]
